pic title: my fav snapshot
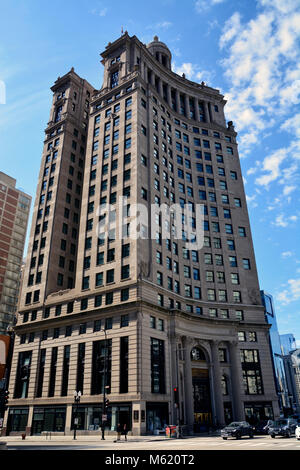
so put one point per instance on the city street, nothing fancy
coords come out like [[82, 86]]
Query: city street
[[152, 443]]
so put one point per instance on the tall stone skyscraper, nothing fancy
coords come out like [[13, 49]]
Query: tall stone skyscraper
[[139, 315]]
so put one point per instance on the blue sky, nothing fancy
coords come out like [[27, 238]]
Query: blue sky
[[249, 50]]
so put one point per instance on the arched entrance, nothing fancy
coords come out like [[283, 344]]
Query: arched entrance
[[201, 391]]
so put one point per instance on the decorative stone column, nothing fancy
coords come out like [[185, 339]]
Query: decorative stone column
[[219, 408], [169, 96], [187, 106], [206, 112], [197, 114], [29, 421], [188, 384], [236, 382], [177, 101], [160, 87], [68, 418]]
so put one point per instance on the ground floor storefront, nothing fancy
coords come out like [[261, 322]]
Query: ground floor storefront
[[151, 418]]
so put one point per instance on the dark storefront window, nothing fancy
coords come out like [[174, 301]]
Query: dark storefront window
[[65, 374], [101, 364], [23, 374], [17, 419], [255, 412], [48, 419], [124, 364], [157, 366], [80, 367], [41, 373], [52, 372]]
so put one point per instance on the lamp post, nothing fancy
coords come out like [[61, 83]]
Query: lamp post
[[77, 396], [105, 402]]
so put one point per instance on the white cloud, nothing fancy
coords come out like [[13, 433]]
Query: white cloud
[[262, 64], [204, 5], [288, 189], [271, 165], [283, 221], [160, 25], [99, 11], [291, 293], [232, 28], [251, 201], [192, 72], [286, 254]]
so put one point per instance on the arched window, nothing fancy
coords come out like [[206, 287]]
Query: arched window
[[197, 355]]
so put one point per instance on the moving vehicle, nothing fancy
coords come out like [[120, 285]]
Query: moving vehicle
[[285, 427], [237, 429]]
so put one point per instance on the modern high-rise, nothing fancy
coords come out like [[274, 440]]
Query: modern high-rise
[[14, 213], [139, 315], [288, 343], [277, 355]]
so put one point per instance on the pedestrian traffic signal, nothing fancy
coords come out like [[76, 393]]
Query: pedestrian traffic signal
[[176, 396]]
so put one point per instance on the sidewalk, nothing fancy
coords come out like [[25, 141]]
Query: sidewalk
[[96, 439]]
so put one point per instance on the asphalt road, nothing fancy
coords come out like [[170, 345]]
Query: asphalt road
[[193, 444]]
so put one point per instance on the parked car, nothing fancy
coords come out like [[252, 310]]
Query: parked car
[[237, 429], [261, 427], [297, 432], [285, 427]]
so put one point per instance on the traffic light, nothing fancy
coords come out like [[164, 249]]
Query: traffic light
[[176, 396], [106, 404], [4, 397]]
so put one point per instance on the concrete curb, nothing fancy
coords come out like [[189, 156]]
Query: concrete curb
[[3, 445]]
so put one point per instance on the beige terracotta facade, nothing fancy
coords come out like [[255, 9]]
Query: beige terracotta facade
[[191, 320]]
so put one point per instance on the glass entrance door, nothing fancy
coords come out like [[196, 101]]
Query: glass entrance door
[[202, 400]]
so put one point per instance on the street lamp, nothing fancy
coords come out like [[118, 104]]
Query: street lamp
[[77, 396], [105, 401]]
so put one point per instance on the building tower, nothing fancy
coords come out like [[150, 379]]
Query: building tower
[[277, 355], [14, 213], [174, 318]]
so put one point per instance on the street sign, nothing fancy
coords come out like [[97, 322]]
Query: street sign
[[76, 420]]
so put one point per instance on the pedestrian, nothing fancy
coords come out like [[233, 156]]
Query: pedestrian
[[125, 431], [119, 430]]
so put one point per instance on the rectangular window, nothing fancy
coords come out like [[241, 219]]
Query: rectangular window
[[53, 366], [101, 366], [124, 349], [252, 378], [157, 354], [65, 371]]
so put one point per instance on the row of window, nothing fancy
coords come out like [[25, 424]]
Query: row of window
[[195, 292], [208, 259], [104, 323], [109, 298]]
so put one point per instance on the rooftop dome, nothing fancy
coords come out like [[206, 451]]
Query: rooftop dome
[[160, 51]]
